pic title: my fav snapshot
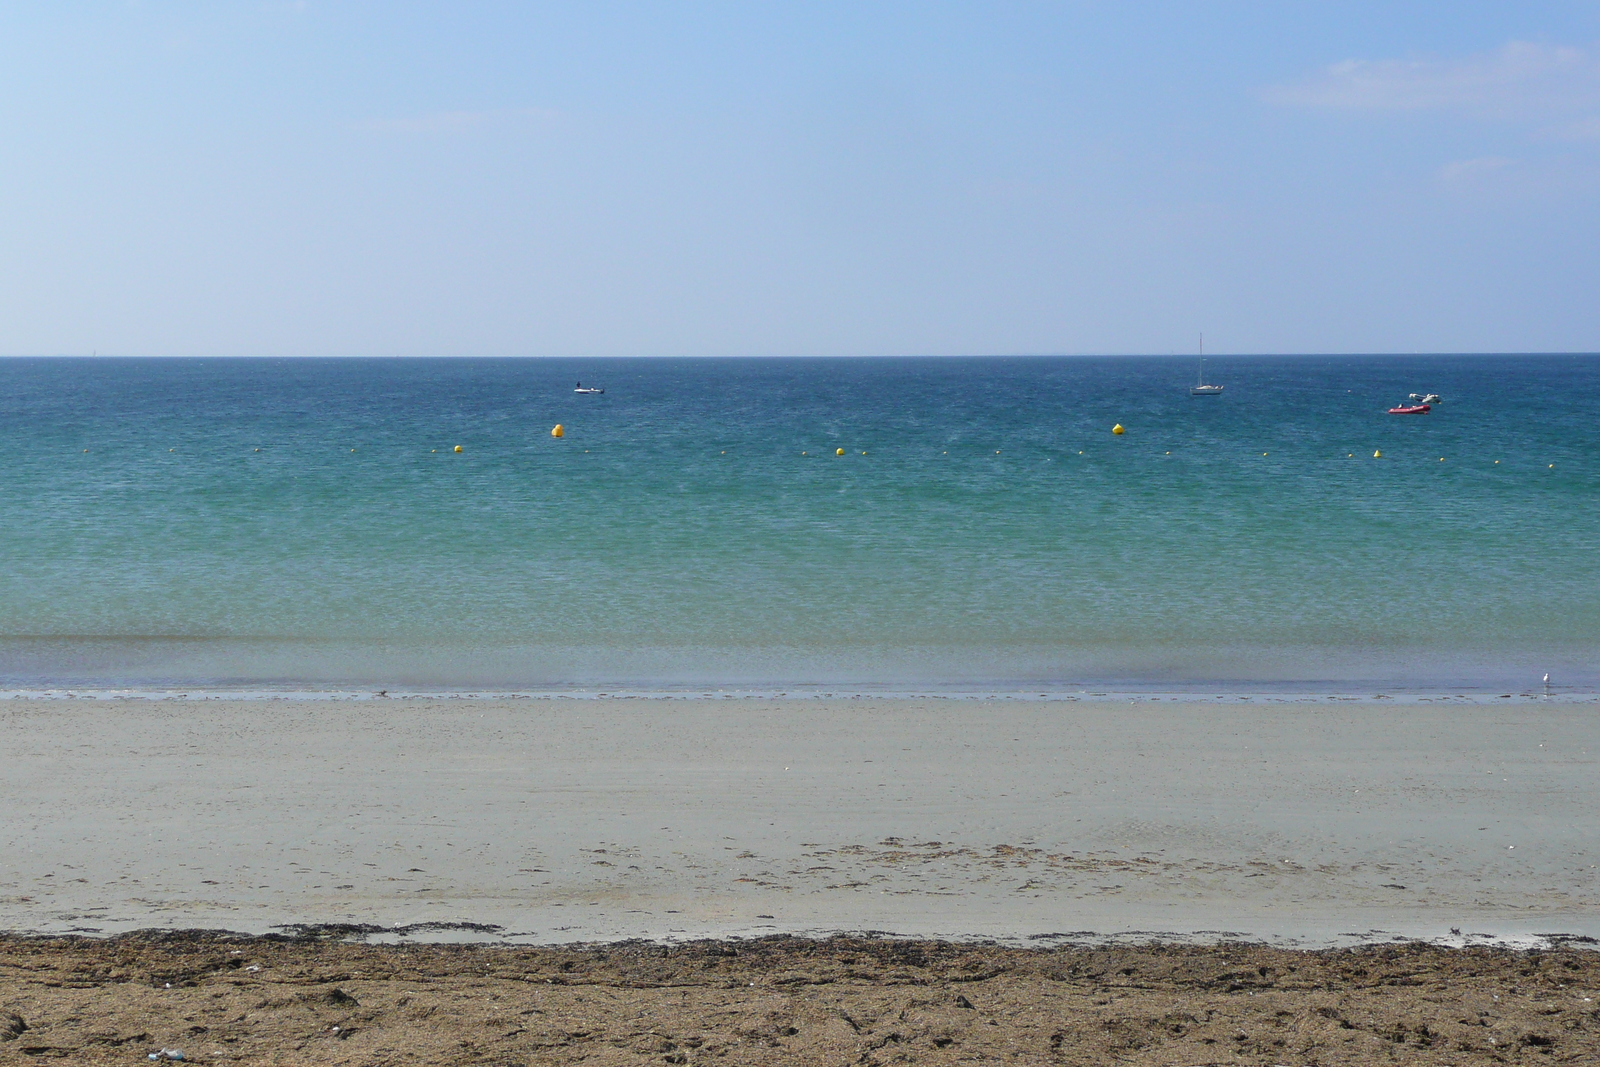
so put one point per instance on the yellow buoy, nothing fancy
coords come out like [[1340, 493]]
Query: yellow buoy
[[1497, 463], [558, 431], [86, 450], [458, 448], [838, 451], [1263, 453], [352, 450], [997, 451], [1441, 459], [863, 453], [1552, 466], [1117, 429], [1377, 455]]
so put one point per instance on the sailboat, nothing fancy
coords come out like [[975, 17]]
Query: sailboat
[[1200, 386]]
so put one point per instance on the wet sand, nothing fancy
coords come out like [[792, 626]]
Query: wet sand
[[786, 1001], [547, 821]]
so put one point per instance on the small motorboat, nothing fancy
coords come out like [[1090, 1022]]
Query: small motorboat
[[1411, 409], [591, 390], [1431, 398]]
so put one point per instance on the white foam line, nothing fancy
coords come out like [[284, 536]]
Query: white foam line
[[1100, 695]]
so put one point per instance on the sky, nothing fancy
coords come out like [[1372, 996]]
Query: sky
[[857, 178]]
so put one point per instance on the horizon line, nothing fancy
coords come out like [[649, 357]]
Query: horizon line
[[753, 356]]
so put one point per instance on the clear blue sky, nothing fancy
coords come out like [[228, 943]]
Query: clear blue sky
[[805, 178]]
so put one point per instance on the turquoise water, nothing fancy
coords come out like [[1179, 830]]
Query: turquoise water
[[289, 522]]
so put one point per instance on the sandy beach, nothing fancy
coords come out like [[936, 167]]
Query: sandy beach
[[547, 821], [617, 881], [789, 1000]]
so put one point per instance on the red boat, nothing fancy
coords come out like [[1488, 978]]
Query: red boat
[[1413, 409]]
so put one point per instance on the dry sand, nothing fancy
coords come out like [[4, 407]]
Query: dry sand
[[790, 1001], [560, 820]]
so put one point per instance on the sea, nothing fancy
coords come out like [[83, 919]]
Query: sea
[[370, 526]]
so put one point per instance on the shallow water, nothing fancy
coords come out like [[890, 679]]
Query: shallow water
[[306, 523]]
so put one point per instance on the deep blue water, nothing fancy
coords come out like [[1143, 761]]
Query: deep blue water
[[307, 522]]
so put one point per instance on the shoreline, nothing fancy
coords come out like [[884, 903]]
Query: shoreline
[[468, 934], [1265, 693]]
